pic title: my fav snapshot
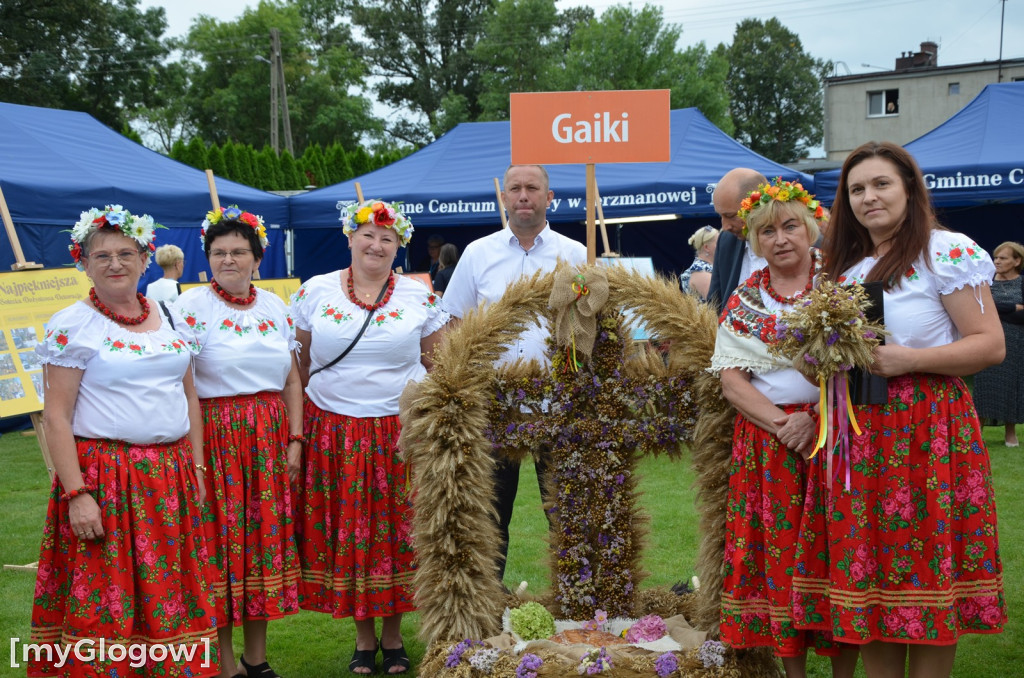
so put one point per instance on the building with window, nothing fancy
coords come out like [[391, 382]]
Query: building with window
[[904, 103]]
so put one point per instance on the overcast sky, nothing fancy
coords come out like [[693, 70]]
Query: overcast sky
[[853, 32]]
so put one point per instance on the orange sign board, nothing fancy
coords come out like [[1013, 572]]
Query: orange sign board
[[552, 128]]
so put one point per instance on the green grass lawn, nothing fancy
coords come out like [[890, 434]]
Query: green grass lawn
[[311, 644]]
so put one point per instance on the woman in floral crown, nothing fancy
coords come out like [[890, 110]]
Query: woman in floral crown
[[123, 559], [912, 553], [248, 383], [364, 334], [774, 431]]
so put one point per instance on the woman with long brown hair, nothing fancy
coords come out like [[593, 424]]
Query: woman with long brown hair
[[913, 556]]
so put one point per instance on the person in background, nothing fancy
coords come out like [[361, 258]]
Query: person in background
[[697, 278], [364, 334], [773, 436], [430, 263], [247, 379], [172, 260], [912, 559], [734, 260], [487, 267], [446, 266], [999, 390], [123, 557]]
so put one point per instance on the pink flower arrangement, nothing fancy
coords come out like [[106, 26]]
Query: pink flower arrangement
[[647, 629]]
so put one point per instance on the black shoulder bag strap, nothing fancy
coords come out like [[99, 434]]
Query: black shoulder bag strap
[[366, 323], [167, 314]]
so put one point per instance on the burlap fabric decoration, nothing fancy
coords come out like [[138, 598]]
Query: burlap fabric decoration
[[577, 295]]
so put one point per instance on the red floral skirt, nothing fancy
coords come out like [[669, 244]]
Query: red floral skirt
[[910, 553], [250, 507], [144, 584], [767, 483], [354, 516]]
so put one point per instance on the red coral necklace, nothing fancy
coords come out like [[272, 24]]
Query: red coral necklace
[[117, 317], [363, 305], [246, 301], [766, 283]]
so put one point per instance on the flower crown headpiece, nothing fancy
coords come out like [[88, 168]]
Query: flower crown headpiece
[[141, 229], [378, 213], [781, 191], [234, 213]]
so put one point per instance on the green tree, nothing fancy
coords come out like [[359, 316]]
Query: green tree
[[291, 178], [338, 168], [231, 170], [96, 56], [360, 161], [422, 51], [775, 89], [268, 169], [246, 155], [634, 49], [521, 40], [166, 118], [178, 150], [195, 154], [229, 94], [215, 161], [313, 166]]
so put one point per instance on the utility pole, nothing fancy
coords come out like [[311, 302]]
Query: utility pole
[[278, 95], [1002, 21]]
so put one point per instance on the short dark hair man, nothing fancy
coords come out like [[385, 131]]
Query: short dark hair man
[[487, 267]]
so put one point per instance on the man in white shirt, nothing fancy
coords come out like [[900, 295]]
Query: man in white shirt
[[487, 268], [734, 262]]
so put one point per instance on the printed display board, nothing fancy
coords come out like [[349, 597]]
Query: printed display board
[[27, 300]]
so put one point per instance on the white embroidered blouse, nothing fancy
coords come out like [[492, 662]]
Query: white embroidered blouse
[[368, 381], [132, 388], [239, 351], [914, 314]]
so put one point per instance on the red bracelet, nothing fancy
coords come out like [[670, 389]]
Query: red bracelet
[[297, 438], [68, 496]]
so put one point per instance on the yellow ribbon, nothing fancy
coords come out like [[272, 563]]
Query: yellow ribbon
[[823, 415]]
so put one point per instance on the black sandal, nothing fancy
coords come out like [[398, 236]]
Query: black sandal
[[259, 671], [364, 659], [393, 658]]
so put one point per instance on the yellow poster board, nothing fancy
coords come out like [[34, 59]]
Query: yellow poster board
[[282, 287], [27, 300]]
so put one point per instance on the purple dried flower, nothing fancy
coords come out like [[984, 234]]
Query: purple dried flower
[[832, 338], [528, 666], [666, 665]]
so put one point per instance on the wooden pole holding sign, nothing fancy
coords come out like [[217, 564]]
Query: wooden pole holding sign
[[359, 193], [213, 189], [19, 256], [501, 204], [591, 203]]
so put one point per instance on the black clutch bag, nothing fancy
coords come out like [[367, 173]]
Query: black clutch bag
[[867, 388]]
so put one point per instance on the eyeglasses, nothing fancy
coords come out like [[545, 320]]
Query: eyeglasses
[[235, 254], [104, 259]]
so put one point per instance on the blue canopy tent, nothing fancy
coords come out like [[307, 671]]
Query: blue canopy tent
[[449, 186], [974, 166], [56, 164]]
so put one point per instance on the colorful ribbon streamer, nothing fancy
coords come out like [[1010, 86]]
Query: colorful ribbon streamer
[[580, 289], [837, 417]]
